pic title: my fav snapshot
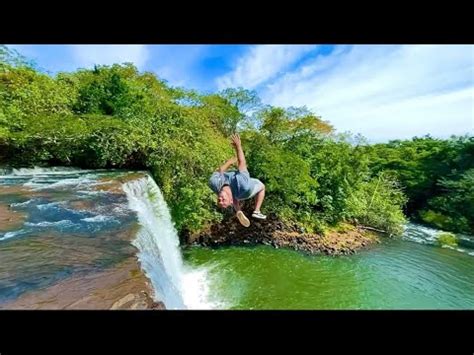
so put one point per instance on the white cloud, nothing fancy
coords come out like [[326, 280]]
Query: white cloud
[[385, 92], [89, 55], [262, 63]]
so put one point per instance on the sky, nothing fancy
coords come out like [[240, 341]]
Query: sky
[[380, 91]]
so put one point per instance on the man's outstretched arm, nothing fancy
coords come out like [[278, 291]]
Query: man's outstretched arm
[[240, 153], [223, 168]]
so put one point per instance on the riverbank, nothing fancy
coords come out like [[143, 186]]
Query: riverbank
[[274, 232]]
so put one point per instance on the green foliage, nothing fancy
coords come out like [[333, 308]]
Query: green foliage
[[26, 92], [115, 116], [88, 140], [377, 203], [446, 238], [436, 175], [453, 208], [318, 179], [225, 116], [246, 103]]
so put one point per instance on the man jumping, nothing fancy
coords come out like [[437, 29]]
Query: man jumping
[[233, 186]]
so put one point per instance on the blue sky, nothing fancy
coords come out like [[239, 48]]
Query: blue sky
[[381, 91]]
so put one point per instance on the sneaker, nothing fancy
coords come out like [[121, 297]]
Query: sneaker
[[259, 215], [243, 219]]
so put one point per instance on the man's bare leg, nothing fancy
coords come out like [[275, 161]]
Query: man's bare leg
[[236, 205], [258, 203], [259, 199]]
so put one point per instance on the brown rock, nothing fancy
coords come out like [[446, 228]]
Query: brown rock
[[9, 219], [121, 287]]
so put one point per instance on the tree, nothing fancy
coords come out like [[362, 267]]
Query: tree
[[246, 102]]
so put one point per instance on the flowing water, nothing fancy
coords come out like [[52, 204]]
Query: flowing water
[[59, 223], [62, 223], [408, 273]]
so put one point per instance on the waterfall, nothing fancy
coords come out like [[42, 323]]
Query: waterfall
[[159, 253]]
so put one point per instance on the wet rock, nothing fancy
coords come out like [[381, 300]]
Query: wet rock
[[280, 235], [9, 219], [123, 286], [123, 301], [157, 305]]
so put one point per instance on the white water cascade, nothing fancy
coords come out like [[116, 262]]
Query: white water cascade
[[159, 252]]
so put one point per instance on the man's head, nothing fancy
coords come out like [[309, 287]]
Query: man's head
[[224, 198]]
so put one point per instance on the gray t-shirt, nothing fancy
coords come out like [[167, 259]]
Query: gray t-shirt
[[240, 183]]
